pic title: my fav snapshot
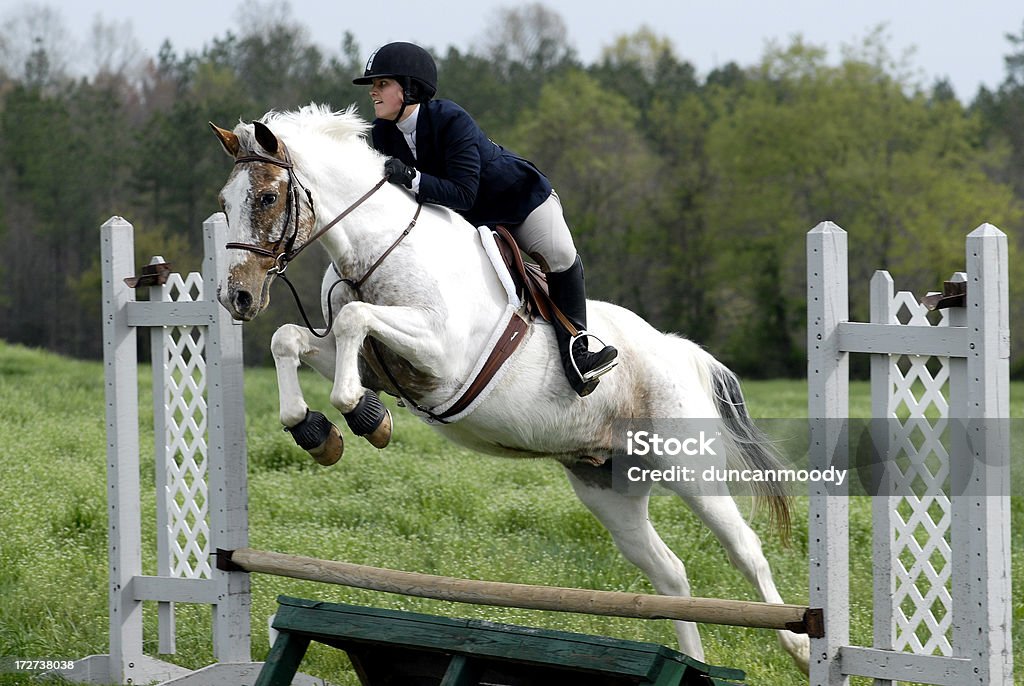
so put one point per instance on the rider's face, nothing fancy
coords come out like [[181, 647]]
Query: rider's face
[[387, 97]]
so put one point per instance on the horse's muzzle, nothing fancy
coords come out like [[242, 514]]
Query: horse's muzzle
[[240, 303]]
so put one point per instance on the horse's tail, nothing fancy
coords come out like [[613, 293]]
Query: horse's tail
[[754, 448]]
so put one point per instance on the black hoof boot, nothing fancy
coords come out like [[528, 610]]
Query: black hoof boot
[[319, 437], [371, 420]]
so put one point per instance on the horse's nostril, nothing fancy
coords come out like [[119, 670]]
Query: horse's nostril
[[243, 300]]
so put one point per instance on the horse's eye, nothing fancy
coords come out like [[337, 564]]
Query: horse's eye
[[268, 199]]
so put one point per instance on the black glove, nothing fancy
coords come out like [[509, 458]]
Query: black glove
[[399, 173]]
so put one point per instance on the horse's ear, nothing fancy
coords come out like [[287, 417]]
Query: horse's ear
[[266, 138], [227, 139]]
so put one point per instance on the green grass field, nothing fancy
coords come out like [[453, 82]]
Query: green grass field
[[421, 505]]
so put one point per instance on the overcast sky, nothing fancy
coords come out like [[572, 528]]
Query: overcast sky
[[963, 40]]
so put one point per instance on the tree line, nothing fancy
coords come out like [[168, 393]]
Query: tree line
[[689, 195]]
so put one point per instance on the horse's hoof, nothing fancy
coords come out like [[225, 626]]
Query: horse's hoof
[[381, 436], [331, 450], [371, 420], [319, 437]]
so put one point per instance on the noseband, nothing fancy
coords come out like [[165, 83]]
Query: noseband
[[284, 250]]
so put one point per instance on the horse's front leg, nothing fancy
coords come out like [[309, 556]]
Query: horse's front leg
[[292, 345], [410, 332]]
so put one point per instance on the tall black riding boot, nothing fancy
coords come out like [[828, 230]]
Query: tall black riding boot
[[583, 368]]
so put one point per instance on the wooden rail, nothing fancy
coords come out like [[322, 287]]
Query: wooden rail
[[796, 618]]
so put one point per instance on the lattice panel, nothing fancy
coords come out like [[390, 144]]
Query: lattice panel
[[922, 565], [186, 438]]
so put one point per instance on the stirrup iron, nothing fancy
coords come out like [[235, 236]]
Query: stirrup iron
[[597, 372]]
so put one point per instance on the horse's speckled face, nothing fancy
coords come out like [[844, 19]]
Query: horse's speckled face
[[255, 201]]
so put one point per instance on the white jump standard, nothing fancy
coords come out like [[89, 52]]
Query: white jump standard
[[942, 576]]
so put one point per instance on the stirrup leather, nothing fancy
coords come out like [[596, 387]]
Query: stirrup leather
[[597, 372]]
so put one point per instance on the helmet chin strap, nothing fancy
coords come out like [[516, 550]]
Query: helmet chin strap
[[406, 98], [401, 110]]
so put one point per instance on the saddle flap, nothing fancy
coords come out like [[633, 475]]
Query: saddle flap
[[529, 279]]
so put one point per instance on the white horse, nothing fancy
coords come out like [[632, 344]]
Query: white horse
[[430, 308]]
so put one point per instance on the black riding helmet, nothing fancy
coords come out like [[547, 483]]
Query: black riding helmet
[[409, 64]]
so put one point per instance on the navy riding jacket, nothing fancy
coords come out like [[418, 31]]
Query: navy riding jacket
[[461, 168]]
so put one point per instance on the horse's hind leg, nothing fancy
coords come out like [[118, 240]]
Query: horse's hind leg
[[625, 517], [291, 346], [721, 514]]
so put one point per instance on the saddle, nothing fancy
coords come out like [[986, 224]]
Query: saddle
[[530, 281]]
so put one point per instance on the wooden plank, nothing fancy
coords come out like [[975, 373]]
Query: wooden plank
[[828, 375], [897, 666], [122, 416], [986, 633], [610, 603], [175, 590], [227, 455], [172, 313], [883, 507], [166, 631], [895, 339], [962, 534]]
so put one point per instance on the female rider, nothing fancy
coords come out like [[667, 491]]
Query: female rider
[[438, 151]]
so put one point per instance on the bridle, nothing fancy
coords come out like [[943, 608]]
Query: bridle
[[284, 250]]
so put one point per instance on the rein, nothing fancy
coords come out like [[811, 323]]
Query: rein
[[354, 285]]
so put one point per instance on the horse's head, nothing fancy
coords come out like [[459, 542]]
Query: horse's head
[[266, 213], [269, 208]]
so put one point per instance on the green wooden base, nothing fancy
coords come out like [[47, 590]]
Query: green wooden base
[[392, 647]]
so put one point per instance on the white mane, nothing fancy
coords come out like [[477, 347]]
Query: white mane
[[319, 118], [310, 121]]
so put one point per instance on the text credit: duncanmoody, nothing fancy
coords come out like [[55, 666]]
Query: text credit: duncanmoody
[[691, 454]]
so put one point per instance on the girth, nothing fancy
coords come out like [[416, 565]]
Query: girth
[[528, 298]]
